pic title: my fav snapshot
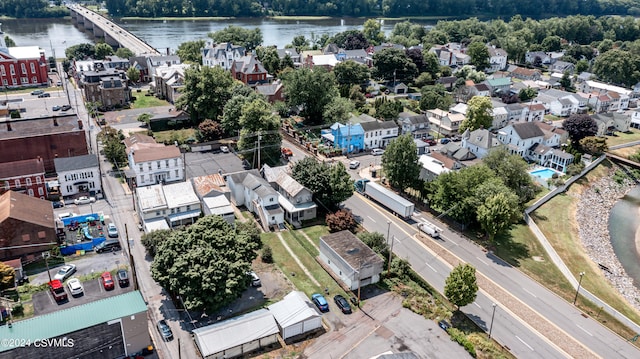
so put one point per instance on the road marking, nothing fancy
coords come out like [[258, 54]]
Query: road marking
[[429, 265], [584, 330], [372, 220], [477, 305], [480, 259], [525, 343], [525, 289]]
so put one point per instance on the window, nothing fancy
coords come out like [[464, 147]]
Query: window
[[24, 80], [6, 185], [69, 189], [33, 68], [17, 183], [166, 163], [23, 67], [157, 213], [177, 175], [158, 164], [28, 181], [26, 238], [149, 166], [34, 80], [271, 199], [173, 210], [40, 191], [4, 82], [30, 192], [38, 180], [140, 167], [2, 70], [175, 162], [188, 208]]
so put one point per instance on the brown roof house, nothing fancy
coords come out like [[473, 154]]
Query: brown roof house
[[350, 260], [25, 176], [27, 226], [152, 163]]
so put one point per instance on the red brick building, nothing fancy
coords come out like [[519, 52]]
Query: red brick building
[[27, 226], [22, 65], [250, 71], [26, 177]]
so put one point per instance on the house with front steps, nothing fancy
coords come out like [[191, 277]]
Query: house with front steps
[[250, 190]]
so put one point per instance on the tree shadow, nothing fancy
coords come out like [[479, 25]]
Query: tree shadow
[[507, 252]]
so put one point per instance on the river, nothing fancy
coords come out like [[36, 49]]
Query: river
[[58, 34], [624, 221]]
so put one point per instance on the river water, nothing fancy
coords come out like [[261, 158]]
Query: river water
[[623, 230], [58, 34]]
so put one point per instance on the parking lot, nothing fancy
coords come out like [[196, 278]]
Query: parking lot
[[204, 163], [44, 303]]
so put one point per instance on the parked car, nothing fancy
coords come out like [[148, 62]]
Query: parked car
[[110, 245], [456, 138], [431, 141], [37, 92], [112, 230], [57, 291], [107, 281], [377, 151], [354, 164], [46, 94], [164, 330], [75, 287], [445, 140], [66, 108], [343, 304], [84, 200], [255, 280], [224, 149], [57, 204], [444, 325], [65, 272], [123, 278], [56, 108], [287, 152], [320, 302]]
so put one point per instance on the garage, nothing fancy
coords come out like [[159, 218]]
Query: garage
[[295, 315]]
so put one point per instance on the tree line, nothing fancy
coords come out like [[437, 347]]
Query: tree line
[[252, 8], [32, 9]]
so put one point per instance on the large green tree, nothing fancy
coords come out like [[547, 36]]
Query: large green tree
[[114, 148], [372, 32], [461, 287], [400, 162], [206, 91], [478, 114], [80, 51], [618, 66], [392, 63], [206, 264], [7, 276], [311, 90], [237, 35], [479, 54], [512, 170], [580, 126], [330, 184], [351, 73], [190, 51], [497, 207], [269, 58], [133, 74], [338, 110], [124, 53], [260, 126], [103, 50]]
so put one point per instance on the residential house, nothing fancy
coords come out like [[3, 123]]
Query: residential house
[[169, 120], [350, 137], [635, 118], [79, 175], [431, 168], [152, 207], [328, 62], [481, 89], [108, 86], [152, 163], [550, 157], [169, 81], [400, 89], [160, 60], [27, 226], [519, 137], [584, 76], [140, 63], [273, 92], [447, 81], [535, 112], [500, 117], [223, 54], [44, 137], [292, 53], [530, 57], [421, 146], [453, 155], [214, 195], [480, 142], [450, 55], [249, 189], [22, 66], [516, 111], [499, 85], [610, 122], [351, 261], [562, 67], [497, 59], [26, 177], [443, 122], [249, 70], [553, 136], [524, 73], [378, 134], [293, 197], [183, 204], [592, 86], [415, 124]]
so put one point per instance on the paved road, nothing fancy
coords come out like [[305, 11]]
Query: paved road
[[508, 329]]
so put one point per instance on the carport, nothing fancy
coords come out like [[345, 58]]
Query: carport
[[295, 315]]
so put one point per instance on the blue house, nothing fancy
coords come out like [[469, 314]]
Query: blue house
[[349, 137]]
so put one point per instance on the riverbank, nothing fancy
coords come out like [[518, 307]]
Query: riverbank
[[592, 219], [193, 18]]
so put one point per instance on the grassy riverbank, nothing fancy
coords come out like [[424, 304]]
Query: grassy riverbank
[[192, 18]]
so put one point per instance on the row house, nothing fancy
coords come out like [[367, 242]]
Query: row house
[[214, 195], [444, 122], [349, 137], [152, 163], [169, 81], [167, 206], [609, 101], [610, 122], [22, 65], [26, 177], [108, 86], [222, 55], [592, 87], [250, 190], [79, 175], [415, 124], [517, 111], [295, 199], [249, 70], [378, 134]]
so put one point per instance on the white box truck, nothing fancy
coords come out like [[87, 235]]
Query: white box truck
[[385, 197], [429, 229]]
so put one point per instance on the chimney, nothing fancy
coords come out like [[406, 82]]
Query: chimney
[[80, 124], [255, 68], [168, 51], [55, 122], [9, 126]]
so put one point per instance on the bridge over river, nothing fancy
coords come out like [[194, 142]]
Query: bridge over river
[[108, 31]]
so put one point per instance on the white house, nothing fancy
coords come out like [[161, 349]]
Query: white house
[[183, 205], [444, 122], [294, 198], [350, 260], [611, 122], [479, 142], [80, 174], [497, 59], [500, 117], [222, 54], [295, 315], [249, 189], [153, 163], [519, 137], [152, 207], [635, 118], [214, 195], [553, 136], [415, 124], [431, 168], [378, 134]]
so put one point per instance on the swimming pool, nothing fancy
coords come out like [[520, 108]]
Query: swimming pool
[[544, 173]]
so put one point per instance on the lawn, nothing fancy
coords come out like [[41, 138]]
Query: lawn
[[315, 232], [623, 137], [143, 101], [181, 136], [626, 151]]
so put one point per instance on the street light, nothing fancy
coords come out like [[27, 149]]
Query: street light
[[578, 290], [492, 316], [390, 249]]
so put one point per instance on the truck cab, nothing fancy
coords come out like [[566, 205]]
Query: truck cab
[[57, 291]]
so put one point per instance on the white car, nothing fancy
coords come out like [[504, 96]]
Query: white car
[[377, 151], [75, 287], [112, 230], [354, 164], [65, 272], [224, 149], [84, 200]]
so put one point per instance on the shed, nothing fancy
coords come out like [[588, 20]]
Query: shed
[[237, 336], [295, 315]]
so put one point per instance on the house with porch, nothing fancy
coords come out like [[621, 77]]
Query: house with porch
[[250, 190], [378, 134], [444, 122], [222, 54], [152, 163], [528, 140], [497, 59], [479, 142], [415, 124], [79, 175], [183, 204], [169, 81], [293, 197], [349, 137], [610, 122]]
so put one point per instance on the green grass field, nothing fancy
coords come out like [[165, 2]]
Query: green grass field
[[143, 101]]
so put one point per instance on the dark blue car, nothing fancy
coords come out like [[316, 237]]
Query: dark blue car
[[320, 302]]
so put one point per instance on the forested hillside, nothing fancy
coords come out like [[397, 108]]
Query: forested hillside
[[31, 9]]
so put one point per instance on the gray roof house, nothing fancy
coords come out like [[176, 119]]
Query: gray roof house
[[378, 134], [416, 124], [479, 142], [222, 54], [249, 189], [293, 197], [78, 175], [293, 54]]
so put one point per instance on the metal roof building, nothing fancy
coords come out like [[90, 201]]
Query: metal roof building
[[295, 315]]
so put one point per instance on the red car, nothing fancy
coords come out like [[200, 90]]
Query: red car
[[107, 281]]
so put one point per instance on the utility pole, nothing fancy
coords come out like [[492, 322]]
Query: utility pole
[[133, 266], [259, 137]]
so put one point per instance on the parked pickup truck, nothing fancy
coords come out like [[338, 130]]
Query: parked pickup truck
[[57, 291]]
